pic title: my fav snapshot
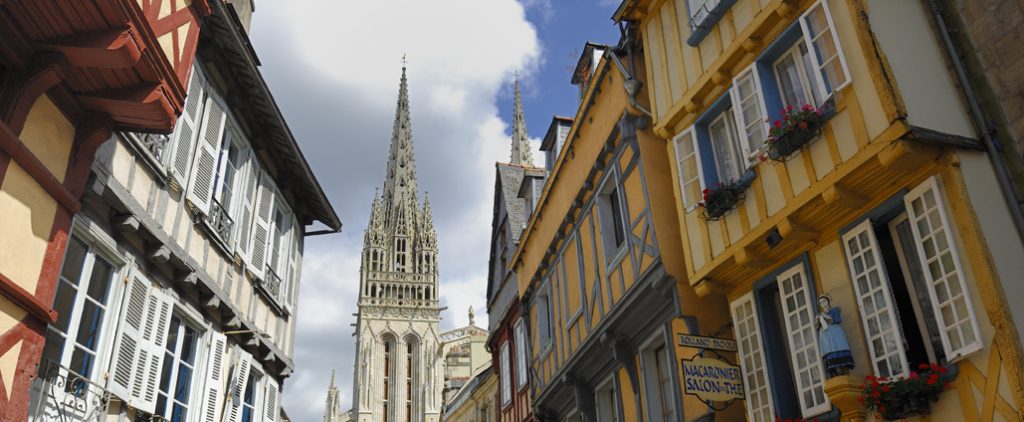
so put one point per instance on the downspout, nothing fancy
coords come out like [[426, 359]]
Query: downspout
[[632, 85], [980, 120]]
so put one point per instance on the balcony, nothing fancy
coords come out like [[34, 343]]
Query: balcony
[[220, 221], [60, 394]]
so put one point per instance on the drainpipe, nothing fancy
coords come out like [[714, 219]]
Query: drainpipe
[[980, 120], [631, 85]]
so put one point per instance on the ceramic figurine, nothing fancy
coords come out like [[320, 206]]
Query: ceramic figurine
[[835, 350]]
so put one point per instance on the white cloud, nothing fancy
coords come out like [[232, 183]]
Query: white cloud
[[334, 67]]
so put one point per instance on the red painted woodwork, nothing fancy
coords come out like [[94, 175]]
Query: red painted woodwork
[[113, 48], [27, 301], [14, 148], [22, 88]]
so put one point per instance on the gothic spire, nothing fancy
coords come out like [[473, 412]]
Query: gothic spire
[[400, 183], [521, 153]]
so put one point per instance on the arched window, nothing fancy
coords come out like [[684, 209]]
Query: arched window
[[388, 356], [412, 406]]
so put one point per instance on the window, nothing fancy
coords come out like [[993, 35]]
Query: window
[[691, 175], [613, 222], [81, 302], [543, 307], [729, 157], [910, 286], [176, 379], [229, 163], [794, 74], [520, 343], [819, 33], [408, 381], [656, 362], [748, 104], [781, 308], [607, 401], [249, 399], [400, 254], [752, 362], [506, 375], [388, 348]]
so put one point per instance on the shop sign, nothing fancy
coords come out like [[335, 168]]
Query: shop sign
[[702, 342], [712, 380]]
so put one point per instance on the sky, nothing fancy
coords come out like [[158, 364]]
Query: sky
[[334, 66]]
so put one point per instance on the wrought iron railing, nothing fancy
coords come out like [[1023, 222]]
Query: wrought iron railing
[[219, 220], [60, 394], [272, 284], [154, 143]]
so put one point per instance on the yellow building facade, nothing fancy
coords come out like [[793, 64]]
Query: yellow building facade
[[888, 211], [604, 292]]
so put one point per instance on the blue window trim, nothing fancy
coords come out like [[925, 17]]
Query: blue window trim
[[883, 212], [704, 29], [706, 152], [769, 86]]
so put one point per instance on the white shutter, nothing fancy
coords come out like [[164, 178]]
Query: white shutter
[[947, 289], [751, 357], [185, 130], [246, 198], [506, 375], [200, 189], [261, 226], [215, 369], [749, 108], [271, 400], [128, 341], [520, 344], [799, 316], [138, 356], [691, 175], [874, 298], [239, 381], [295, 264], [831, 72]]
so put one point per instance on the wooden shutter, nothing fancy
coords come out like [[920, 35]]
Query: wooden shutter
[[748, 106], [239, 381], [138, 354], [185, 130], [944, 276], [295, 264], [751, 357], [506, 374], [246, 199], [210, 401], [831, 72], [261, 226], [874, 298], [691, 175], [271, 400], [799, 315], [200, 190]]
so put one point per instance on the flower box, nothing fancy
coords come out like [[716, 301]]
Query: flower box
[[791, 142], [900, 398], [720, 200], [797, 128]]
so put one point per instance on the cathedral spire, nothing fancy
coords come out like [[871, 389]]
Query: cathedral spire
[[400, 184], [521, 153]]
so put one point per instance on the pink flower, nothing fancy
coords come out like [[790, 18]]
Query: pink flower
[[803, 125]]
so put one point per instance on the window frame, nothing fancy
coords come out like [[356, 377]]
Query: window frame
[[651, 377], [545, 327], [610, 404], [519, 330], [749, 152], [676, 142], [819, 74], [505, 360], [606, 213], [808, 83], [727, 119], [191, 406], [807, 409], [754, 333]]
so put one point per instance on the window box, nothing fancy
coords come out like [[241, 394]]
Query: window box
[[721, 200], [717, 202], [797, 128], [894, 399]]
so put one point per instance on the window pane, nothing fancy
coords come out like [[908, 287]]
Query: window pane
[[790, 85], [99, 282], [82, 362], [53, 348], [90, 325], [64, 303], [73, 259], [727, 154], [188, 345], [182, 387]]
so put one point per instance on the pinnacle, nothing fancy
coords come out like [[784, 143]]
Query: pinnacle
[[521, 153]]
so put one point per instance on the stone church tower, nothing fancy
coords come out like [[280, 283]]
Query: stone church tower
[[398, 357]]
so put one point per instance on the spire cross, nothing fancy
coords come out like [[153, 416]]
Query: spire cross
[[404, 61]]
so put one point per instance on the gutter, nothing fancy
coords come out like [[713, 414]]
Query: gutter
[[980, 120]]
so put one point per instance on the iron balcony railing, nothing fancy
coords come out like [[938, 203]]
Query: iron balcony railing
[[154, 143], [219, 220], [60, 394]]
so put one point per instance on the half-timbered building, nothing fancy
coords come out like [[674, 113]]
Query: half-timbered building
[[881, 201], [176, 296]]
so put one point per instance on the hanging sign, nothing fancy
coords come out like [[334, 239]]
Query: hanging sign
[[712, 380], [701, 342]]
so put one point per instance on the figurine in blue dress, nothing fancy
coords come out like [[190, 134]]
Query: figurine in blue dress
[[835, 350]]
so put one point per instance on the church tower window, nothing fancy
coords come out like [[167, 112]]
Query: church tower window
[[400, 254], [408, 382], [387, 372]]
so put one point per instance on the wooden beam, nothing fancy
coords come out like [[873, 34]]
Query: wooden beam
[[839, 196], [790, 229], [112, 49], [145, 106], [706, 287], [906, 155], [747, 257]]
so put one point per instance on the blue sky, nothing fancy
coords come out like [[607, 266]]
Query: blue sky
[[563, 26], [336, 81]]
